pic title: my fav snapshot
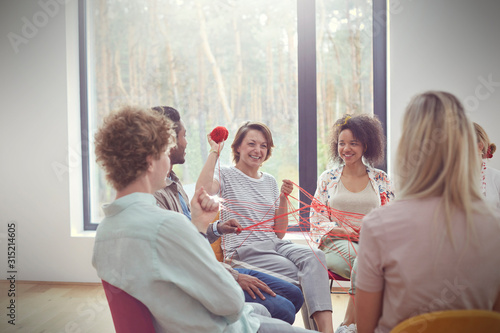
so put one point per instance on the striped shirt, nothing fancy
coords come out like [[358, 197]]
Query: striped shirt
[[250, 201]]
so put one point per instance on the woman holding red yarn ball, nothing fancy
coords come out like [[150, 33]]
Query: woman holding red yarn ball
[[254, 199]]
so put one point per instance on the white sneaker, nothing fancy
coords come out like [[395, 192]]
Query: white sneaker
[[347, 329], [352, 328]]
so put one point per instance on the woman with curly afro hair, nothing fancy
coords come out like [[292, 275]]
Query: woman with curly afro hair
[[346, 193]]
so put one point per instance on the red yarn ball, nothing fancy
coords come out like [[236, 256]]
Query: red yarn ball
[[219, 134]]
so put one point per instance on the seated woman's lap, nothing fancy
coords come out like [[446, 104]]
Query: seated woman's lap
[[281, 257], [340, 256], [263, 256]]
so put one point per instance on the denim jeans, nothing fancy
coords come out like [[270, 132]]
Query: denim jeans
[[285, 304]]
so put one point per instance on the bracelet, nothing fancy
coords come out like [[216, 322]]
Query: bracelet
[[204, 235], [214, 228], [213, 151]]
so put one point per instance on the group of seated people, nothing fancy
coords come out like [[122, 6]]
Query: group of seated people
[[434, 248]]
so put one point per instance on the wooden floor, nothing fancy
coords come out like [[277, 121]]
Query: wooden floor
[[78, 308]]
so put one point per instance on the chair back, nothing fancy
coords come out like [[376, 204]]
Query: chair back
[[129, 314], [456, 321]]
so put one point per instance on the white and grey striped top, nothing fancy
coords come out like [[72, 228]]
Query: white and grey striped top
[[250, 201]]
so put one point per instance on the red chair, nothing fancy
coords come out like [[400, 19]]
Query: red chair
[[335, 277], [129, 314]]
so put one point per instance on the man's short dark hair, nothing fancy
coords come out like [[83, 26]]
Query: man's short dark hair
[[171, 114], [168, 112]]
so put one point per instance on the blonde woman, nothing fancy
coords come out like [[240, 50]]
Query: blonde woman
[[435, 247], [490, 178]]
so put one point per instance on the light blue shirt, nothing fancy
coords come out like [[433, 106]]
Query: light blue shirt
[[160, 258], [184, 206]]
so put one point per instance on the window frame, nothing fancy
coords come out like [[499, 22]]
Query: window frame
[[84, 117], [307, 97]]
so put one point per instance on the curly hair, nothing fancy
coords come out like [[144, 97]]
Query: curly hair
[[242, 132], [125, 140], [366, 129]]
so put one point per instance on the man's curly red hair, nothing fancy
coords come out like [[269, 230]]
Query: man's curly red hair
[[126, 138]]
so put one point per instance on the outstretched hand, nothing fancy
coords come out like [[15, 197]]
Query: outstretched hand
[[203, 209]]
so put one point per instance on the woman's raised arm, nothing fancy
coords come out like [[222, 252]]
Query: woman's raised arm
[[206, 178]]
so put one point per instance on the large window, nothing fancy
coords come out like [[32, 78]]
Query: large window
[[222, 62], [344, 65]]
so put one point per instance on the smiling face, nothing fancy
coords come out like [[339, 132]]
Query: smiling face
[[349, 148], [253, 149]]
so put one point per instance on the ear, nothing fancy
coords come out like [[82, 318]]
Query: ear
[[480, 145], [149, 160]]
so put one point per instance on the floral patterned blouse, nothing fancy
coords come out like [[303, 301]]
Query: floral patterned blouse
[[327, 188]]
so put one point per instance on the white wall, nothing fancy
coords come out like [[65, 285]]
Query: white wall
[[34, 139], [445, 44], [450, 45]]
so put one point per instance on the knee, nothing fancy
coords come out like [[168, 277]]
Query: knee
[[260, 309], [320, 255], [296, 297], [281, 308], [340, 268]]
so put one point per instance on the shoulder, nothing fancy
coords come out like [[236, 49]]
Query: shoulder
[[268, 177], [393, 217], [492, 178], [169, 217], [381, 181], [225, 172], [494, 173], [377, 174], [167, 191], [175, 225], [225, 169], [141, 221], [331, 174], [328, 180]]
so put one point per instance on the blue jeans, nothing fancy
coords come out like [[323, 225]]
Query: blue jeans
[[285, 304]]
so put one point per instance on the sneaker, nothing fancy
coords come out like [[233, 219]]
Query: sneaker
[[347, 329], [352, 328]]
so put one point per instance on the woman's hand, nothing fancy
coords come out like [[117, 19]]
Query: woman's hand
[[343, 231], [337, 231], [228, 227], [286, 187], [214, 146]]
